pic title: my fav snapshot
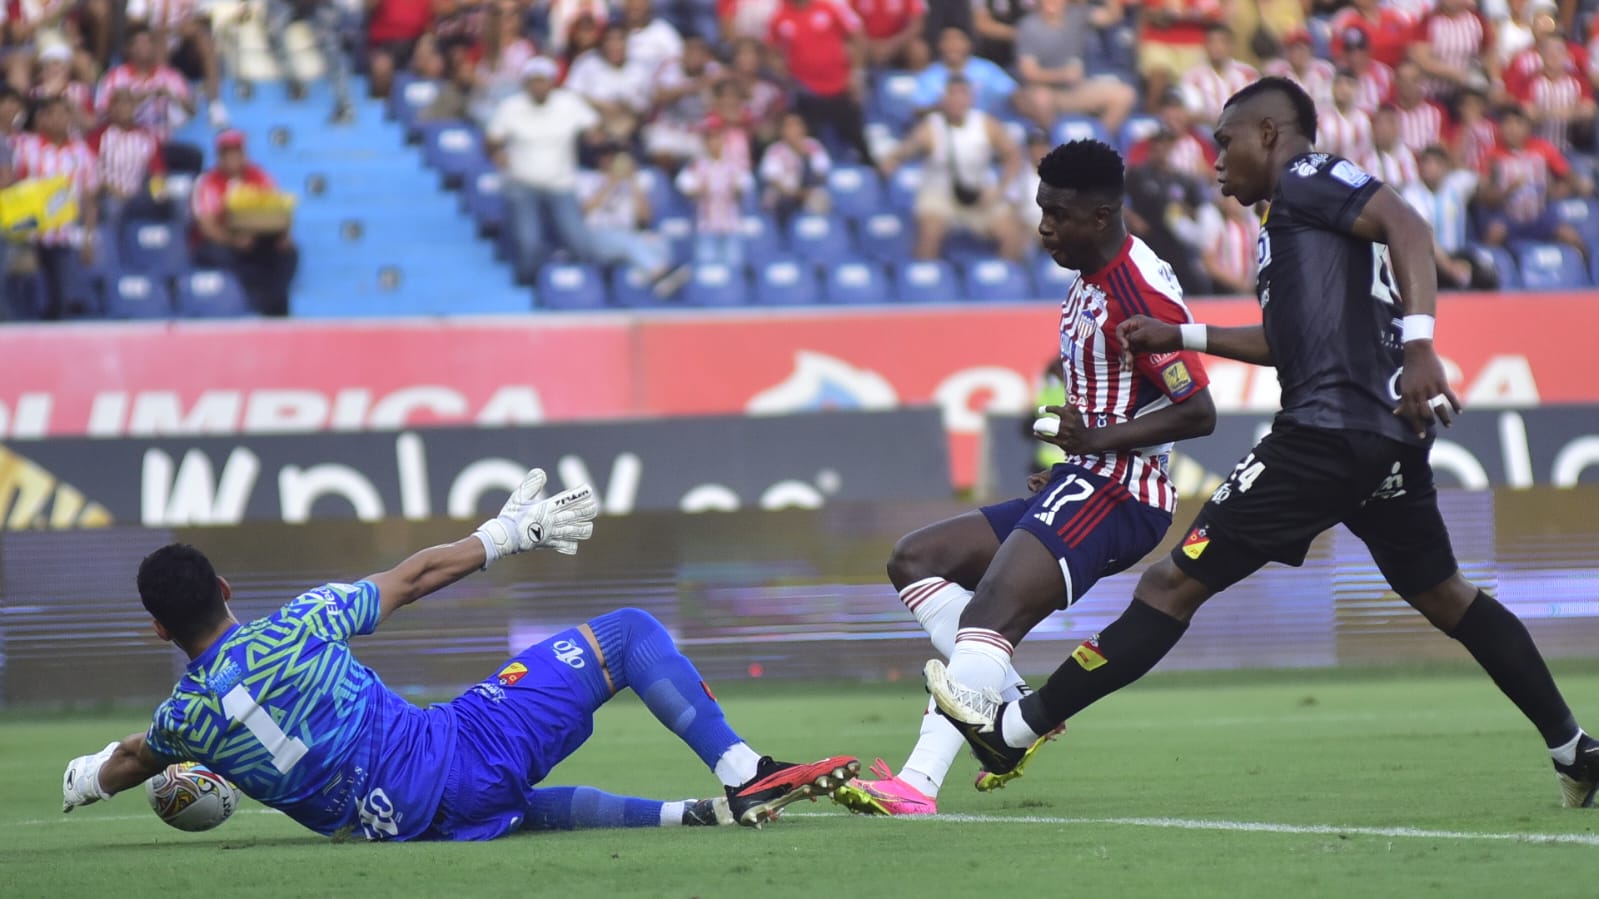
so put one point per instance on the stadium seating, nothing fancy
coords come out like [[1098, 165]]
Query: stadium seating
[[631, 289], [902, 187], [762, 242], [453, 148], [484, 203], [896, 99], [1547, 266], [1078, 127], [1051, 280], [786, 283], [997, 280], [818, 238], [885, 237], [152, 248], [856, 282], [1582, 215], [857, 192], [1502, 262], [1136, 129], [138, 296], [211, 294], [571, 286], [716, 285], [678, 230], [927, 281]]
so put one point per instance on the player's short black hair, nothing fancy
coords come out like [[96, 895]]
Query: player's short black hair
[[179, 588], [1304, 107], [1089, 167]]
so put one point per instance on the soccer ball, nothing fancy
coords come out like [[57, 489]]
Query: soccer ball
[[190, 796]]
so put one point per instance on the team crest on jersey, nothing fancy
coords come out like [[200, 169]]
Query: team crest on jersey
[[511, 673], [1076, 331], [1310, 164], [1197, 541], [1179, 383], [1088, 654]]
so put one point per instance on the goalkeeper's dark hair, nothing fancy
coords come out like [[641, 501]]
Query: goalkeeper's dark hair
[[179, 588], [1304, 107], [1090, 167]]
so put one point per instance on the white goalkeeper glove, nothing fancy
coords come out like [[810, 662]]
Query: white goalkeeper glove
[[81, 784], [526, 523]]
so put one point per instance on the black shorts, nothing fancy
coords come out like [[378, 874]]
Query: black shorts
[[1301, 481]]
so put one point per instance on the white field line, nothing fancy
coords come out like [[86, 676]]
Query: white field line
[[80, 817], [1576, 839]]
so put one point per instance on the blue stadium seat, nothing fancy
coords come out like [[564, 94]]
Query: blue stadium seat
[[1136, 129], [857, 282], [570, 286], [631, 289], [209, 293], [902, 188], [856, 190], [152, 248], [138, 296], [962, 248], [1580, 214], [997, 280], [678, 230], [1501, 261], [896, 98], [786, 283], [926, 281], [762, 242], [484, 202], [716, 285], [1050, 279], [408, 101], [1078, 127], [1548, 266], [454, 149], [885, 237], [818, 238], [664, 198]]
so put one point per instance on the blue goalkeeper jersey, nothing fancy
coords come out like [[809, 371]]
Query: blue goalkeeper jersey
[[281, 708]]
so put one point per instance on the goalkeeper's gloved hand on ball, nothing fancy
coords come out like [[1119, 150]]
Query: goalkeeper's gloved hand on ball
[[81, 784], [527, 522]]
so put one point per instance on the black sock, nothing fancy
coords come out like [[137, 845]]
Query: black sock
[[1499, 642], [1120, 654]]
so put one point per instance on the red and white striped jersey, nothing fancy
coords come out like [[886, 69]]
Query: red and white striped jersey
[[1475, 143], [718, 186], [127, 156], [1343, 134], [155, 111], [1136, 282], [33, 156], [1373, 87], [1524, 65], [1206, 89], [1396, 167], [1553, 102], [1317, 80], [1190, 154], [1529, 167], [1421, 125], [1459, 40], [1236, 248]]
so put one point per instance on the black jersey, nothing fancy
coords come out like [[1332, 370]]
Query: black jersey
[[1329, 304]]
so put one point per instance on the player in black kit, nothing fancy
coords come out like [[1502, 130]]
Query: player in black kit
[[1351, 338]]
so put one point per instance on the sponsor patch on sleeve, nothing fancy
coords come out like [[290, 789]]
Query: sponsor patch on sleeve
[[1197, 541], [1179, 383], [1349, 173]]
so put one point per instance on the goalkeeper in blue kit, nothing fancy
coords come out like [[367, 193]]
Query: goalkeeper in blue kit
[[281, 707]]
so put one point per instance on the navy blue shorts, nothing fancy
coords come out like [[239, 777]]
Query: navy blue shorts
[[1092, 525], [514, 727]]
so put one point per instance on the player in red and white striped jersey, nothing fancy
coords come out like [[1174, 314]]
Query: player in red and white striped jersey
[[128, 154], [1421, 120], [1556, 97], [979, 582], [1454, 45], [1390, 160], [1208, 86], [52, 152], [1376, 79], [1300, 65], [1344, 129], [162, 91]]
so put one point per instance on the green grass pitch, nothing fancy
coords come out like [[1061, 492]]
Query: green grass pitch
[[1401, 783]]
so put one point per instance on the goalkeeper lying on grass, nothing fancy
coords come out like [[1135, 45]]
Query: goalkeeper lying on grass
[[281, 707]]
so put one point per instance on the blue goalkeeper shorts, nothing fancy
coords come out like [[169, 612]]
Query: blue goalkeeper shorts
[[516, 726], [1092, 525]]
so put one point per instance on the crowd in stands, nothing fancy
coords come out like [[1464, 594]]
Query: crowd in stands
[[753, 117]]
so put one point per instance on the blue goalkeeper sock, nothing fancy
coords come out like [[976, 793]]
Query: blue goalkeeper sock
[[574, 808], [640, 654]]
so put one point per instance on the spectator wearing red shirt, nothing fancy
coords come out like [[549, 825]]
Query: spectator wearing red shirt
[[1558, 99], [1375, 80], [1421, 120], [129, 155], [1528, 61], [51, 152], [264, 263], [392, 29], [163, 93], [1387, 31], [891, 27], [822, 46], [1524, 172], [1454, 45], [1171, 40]]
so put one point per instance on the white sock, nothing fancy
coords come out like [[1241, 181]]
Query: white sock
[[672, 813], [1566, 753], [1014, 730], [737, 765], [935, 751], [981, 658], [937, 605]]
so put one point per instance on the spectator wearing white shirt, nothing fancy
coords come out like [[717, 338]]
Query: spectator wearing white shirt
[[534, 139], [794, 172], [618, 88], [1210, 85], [682, 100], [1343, 128], [717, 182], [652, 42], [1443, 196], [616, 208], [1390, 160]]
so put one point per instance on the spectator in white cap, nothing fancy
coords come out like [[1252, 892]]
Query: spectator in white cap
[[56, 78], [534, 138]]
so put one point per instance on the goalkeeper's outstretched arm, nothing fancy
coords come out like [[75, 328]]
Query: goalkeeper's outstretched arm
[[120, 766], [525, 523]]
